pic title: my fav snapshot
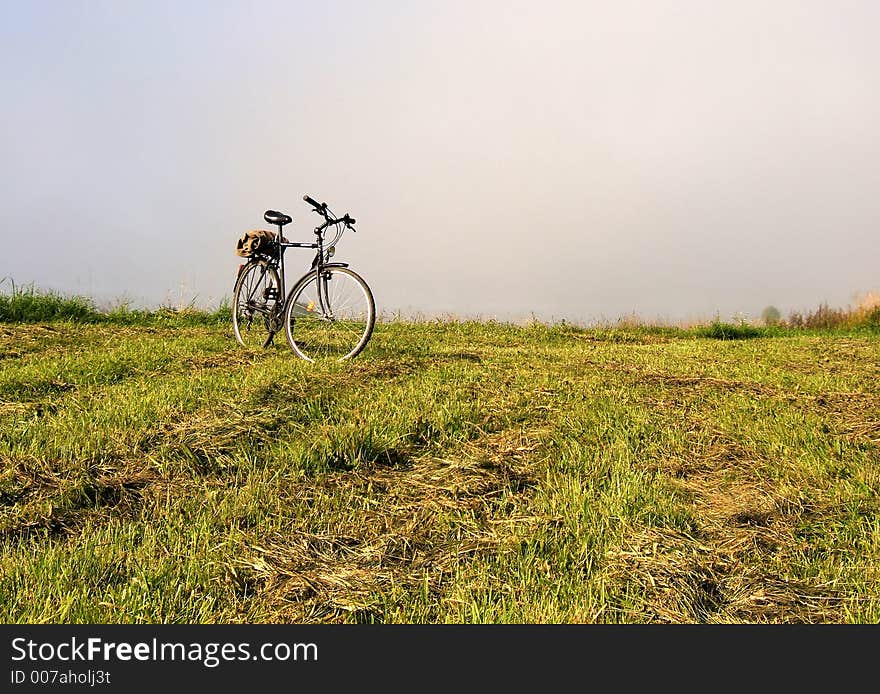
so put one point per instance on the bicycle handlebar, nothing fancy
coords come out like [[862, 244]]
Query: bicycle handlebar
[[346, 220], [320, 207]]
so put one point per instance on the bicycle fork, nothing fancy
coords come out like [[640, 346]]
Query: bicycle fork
[[321, 279]]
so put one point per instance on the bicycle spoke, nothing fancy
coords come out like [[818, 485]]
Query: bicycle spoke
[[255, 301], [315, 335]]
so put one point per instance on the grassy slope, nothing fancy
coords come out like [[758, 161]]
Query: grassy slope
[[453, 472]]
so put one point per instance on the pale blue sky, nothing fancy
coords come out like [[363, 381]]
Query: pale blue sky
[[573, 160]]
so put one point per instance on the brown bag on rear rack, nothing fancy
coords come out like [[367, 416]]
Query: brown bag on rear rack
[[256, 242]]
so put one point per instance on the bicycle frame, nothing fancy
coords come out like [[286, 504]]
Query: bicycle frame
[[318, 265]]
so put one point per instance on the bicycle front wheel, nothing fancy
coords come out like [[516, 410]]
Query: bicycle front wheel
[[333, 320], [255, 304]]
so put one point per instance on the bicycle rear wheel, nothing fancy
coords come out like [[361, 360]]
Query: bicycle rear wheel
[[255, 304], [335, 324]]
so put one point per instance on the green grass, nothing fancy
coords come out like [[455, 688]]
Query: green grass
[[30, 305], [153, 471], [719, 330], [27, 305]]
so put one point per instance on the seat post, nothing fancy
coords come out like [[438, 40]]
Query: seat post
[[283, 288]]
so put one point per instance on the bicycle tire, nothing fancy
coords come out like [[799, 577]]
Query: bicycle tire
[[313, 336], [252, 320]]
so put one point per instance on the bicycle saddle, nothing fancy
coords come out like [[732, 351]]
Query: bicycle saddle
[[278, 218]]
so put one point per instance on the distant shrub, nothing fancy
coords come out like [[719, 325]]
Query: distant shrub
[[864, 314], [825, 317], [872, 317], [795, 320], [771, 316], [631, 320], [867, 310]]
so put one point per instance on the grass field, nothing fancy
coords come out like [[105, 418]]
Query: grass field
[[454, 472]]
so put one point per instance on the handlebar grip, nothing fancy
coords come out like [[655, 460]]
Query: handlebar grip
[[313, 203], [350, 220]]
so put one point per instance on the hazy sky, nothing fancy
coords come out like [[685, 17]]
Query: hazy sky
[[576, 160]]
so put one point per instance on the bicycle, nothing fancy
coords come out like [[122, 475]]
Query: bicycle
[[329, 312]]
